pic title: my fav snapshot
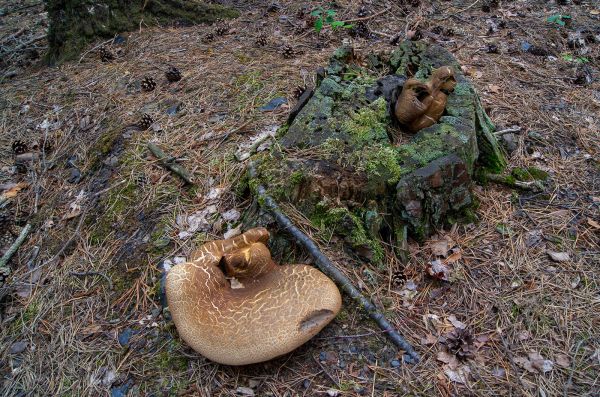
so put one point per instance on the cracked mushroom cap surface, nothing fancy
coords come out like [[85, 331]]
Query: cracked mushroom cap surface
[[270, 310]]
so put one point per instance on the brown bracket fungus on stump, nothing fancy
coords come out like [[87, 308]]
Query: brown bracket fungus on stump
[[351, 167], [268, 312]]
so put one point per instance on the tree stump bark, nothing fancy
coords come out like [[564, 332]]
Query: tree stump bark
[[74, 23], [338, 165]]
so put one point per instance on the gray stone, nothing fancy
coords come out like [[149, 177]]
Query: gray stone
[[18, 347]]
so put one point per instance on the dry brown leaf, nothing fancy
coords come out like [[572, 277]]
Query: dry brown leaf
[[453, 258], [593, 223], [447, 358], [429, 340], [439, 247], [494, 88], [562, 360], [523, 362], [12, 192]]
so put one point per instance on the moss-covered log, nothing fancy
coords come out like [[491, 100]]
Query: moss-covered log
[[74, 23], [337, 161]]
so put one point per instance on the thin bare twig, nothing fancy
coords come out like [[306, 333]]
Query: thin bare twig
[[168, 163], [14, 247]]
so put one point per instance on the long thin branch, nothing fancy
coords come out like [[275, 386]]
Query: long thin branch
[[15, 246], [327, 267], [167, 162]]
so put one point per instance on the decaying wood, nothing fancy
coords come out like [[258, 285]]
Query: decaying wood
[[168, 163], [327, 267]]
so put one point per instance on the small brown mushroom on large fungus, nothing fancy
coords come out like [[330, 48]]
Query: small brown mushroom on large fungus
[[421, 105], [269, 311]]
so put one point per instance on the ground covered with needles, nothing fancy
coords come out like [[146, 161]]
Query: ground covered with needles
[[515, 311]]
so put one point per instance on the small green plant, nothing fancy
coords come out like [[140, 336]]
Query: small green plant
[[558, 19], [327, 17], [570, 58]]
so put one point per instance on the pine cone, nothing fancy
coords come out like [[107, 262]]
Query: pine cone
[[209, 37], [19, 147], [460, 343], [299, 90], [145, 122], [105, 54], [148, 84], [261, 41], [398, 278], [173, 74], [221, 30], [288, 52]]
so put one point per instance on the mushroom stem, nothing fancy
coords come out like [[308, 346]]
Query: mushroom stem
[[327, 267]]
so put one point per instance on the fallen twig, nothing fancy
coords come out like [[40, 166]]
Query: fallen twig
[[14, 247], [325, 265], [367, 17], [515, 128], [92, 273], [95, 48], [252, 149], [168, 163], [535, 186]]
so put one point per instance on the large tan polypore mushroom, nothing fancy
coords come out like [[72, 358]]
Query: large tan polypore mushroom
[[273, 311]]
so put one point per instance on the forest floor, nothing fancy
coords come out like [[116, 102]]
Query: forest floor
[[81, 312]]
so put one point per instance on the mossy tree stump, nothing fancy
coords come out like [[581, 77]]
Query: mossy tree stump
[[336, 163], [74, 23]]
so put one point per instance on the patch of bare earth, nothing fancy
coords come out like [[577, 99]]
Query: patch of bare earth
[[518, 314]]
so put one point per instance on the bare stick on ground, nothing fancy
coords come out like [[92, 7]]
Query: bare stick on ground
[[15, 246], [327, 267], [168, 163]]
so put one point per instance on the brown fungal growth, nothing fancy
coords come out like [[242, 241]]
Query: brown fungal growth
[[268, 312], [421, 105]]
